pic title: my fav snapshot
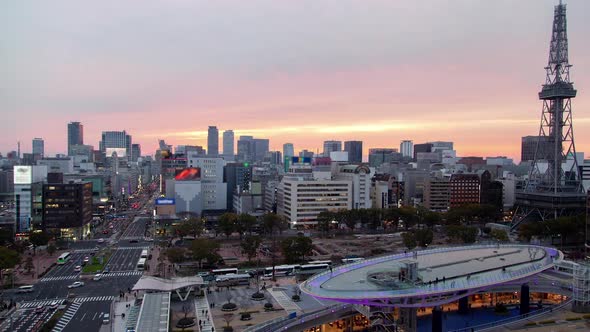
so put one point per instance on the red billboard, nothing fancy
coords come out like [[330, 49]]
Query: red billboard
[[188, 174]]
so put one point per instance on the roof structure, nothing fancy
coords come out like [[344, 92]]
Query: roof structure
[[421, 278], [149, 283], [154, 313]]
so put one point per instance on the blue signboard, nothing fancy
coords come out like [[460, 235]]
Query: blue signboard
[[165, 201]]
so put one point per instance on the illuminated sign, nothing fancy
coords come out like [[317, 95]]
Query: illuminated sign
[[188, 174], [23, 174], [165, 201], [121, 152]]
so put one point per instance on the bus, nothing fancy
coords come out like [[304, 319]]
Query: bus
[[351, 260], [141, 264], [313, 268], [144, 253], [219, 272], [64, 258], [232, 280], [281, 270], [321, 262]]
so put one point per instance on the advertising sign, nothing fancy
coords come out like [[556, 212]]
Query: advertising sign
[[23, 174], [188, 174], [121, 152], [165, 201]]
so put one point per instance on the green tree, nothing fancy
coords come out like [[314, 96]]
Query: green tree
[[204, 249], [273, 223], [29, 264], [51, 249], [8, 259], [325, 221], [245, 223], [349, 218], [423, 237], [176, 255], [227, 223], [466, 234], [192, 226], [38, 239], [409, 240], [295, 248], [250, 246], [499, 235]]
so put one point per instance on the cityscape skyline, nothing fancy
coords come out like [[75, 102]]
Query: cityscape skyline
[[465, 87]]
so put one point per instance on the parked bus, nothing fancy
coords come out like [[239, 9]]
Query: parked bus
[[144, 253], [219, 272], [313, 268], [321, 262], [64, 258], [351, 260], [232, 280], [141, 264], [281, 270]]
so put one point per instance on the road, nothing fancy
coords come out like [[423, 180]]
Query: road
[[86, 305]]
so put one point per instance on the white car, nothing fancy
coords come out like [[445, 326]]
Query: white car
[[76, 284], [97, 277], [101, 240], [78, 268]]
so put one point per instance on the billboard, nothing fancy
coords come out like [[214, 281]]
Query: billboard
[[188, 174], [121, 152], [165, 201], [23, 174], [300, 160]]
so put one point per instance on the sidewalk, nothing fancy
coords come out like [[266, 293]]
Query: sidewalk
[[117, 320], [42, 262], [203, 314]]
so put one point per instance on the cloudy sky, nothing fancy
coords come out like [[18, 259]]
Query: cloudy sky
[[292, 71]]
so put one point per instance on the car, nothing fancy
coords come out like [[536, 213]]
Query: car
[[106, 270], [78, 268], [106, 231], [86, 259], [39, 309], [106, 318], [26, 289], [54, 305], [133, 241], [76, 284], [100, 240], [97, 277]]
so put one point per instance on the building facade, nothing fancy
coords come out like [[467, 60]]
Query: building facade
[[288, 150], [331, 146], [67, 209], [212, 141], [75, 135], [116, 142], [465, 189], [228, 143], [437, 194], [360, 177], [355, 151], [406, 148], [38, 147]]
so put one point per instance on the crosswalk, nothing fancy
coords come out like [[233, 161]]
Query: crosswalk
[[203, 314], [122, 274], [67, 317], [81, 251], [46, 279], [34, 304], [132, 238], [132, 248]]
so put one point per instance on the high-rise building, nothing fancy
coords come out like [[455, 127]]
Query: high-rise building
[[531, 145], [288, 150], [378, 156], [75, 135], [67, 209], [331, 146], [355, 151], [135, 152], [406, 147], [116, 142], [38, 146], [238, 177], [213, 141], [424, 147], [228, 143], [252, 149]]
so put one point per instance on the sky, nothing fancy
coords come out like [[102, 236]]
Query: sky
[[300, 71]]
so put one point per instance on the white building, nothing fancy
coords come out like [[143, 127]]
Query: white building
[[508, 181], [301, 201], [406, 147], [360, 177], [28, 185], [58, 165]]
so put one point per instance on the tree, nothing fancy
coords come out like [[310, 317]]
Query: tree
[[409, 240], [325, 221], [295, 248], [38, 239], [6, 236], [228, 318], [349, 217], [175, 255], [499, 235], [51, 249], [227, 223], [245, 223], [273, 223], [29, 264], [250, 246], [8, 259], [191, 226], [423, 237], [202, 249]]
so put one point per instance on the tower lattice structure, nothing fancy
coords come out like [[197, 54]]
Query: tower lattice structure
[[554, 186]]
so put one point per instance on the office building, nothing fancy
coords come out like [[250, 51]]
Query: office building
[[38, 147], [355, 151], [275, 157], [465, 189], [424, 147], [58, 165], [135, 152], [67, 209], [378, 156], [86, 151], [75, 135], [190, 150], [212, 141], [437, 194], [440, 146], [529, 147], [406, 148], [360, 177], [228, 143], [28, 190], [116, 143], [331, 146], [252, 149], [237, 176], [288, 150]]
